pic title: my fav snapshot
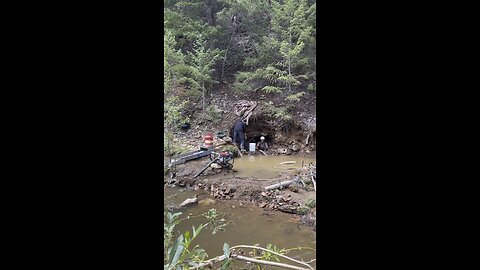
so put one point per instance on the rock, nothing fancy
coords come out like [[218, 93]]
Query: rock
[[288, 209], [189, 202], [231, 189], [216, 166], [263, 204], [264, 194], [295, 147]]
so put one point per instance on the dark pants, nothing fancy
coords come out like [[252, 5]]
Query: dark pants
[[239, 137]]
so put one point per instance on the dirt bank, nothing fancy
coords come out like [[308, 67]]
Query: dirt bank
[[297, 199]]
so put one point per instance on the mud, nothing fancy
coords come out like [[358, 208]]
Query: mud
[[225, 185]]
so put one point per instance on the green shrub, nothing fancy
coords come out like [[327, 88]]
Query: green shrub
[[231, 148], [303, 210], [276, 112], [214, 114], [311, 88], [310, 202]]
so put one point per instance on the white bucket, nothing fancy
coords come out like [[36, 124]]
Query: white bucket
[[252, 147]]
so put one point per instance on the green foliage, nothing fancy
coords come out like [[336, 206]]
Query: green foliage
[[231, 148], [178, 252], [303, 210], [187, 27], [280, 113], [271, 47], [271, 89], [216, 222], [213, 114], [267, 256], [310, 202], [311, 88], [283, 56], [295, 97], [201, 61]]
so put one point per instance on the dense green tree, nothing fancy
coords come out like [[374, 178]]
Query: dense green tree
[[266, 45], [202, 60], [173, 61], [280, 62]]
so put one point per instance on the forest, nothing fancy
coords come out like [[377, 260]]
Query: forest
[[254, 60], [242, 46]]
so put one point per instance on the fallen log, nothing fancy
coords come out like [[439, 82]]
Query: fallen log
[[288, 162], [189, 202], [279, 185]]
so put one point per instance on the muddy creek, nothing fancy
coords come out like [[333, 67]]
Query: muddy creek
[[260, 167], [250, 224]]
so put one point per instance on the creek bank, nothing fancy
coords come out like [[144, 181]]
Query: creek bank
[[296, 199]]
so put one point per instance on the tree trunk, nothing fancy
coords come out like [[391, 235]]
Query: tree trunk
[[226, 52], [203, 99], [290, 65], [209, 12]]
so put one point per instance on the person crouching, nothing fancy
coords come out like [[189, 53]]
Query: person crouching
[[262, 144]]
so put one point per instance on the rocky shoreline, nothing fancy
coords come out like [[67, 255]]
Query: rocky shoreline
[[296, 199]]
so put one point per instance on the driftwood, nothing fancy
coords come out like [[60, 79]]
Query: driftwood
[[314, 185], [279, 185], [244, 109], [221, 258], [308, 137], [189, 202], [263, 179], [288, 162], [253, 260], [284, 168], [261, 151]]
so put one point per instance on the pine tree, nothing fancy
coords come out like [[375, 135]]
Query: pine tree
[[281, 63], [173, 60], [202, 60]]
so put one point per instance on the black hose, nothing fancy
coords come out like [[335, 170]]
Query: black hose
[[205, 168]]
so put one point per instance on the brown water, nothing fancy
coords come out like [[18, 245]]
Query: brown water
[[250, 225], [267, 167]]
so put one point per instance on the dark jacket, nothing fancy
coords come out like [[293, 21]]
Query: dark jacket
[[239, 126]]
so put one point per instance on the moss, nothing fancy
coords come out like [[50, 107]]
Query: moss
[[303, 210], [231, 148], [310, 202]]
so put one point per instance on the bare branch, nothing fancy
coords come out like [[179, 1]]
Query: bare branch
[[278, 254]]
